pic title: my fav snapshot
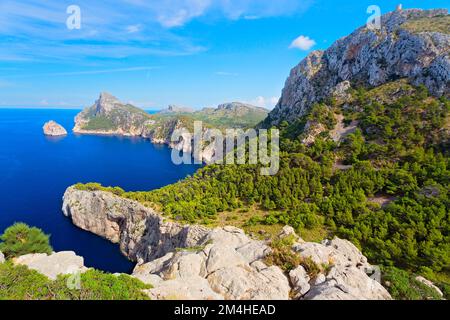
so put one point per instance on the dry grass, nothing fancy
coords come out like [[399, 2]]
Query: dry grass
[[435, 24]]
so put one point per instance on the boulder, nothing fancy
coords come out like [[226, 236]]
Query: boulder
[[54, 129], [58, 263], [2, 257], [300, 281]]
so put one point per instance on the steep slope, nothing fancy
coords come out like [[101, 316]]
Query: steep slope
[[110, 116], [412, 44]]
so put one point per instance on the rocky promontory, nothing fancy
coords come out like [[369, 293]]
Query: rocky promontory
[[54, 129], [195, 262]]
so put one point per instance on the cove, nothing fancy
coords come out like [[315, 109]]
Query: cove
[[36, 170]]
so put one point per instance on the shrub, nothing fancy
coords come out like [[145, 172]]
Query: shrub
[[20, 239], [21, 283], [403, 286]]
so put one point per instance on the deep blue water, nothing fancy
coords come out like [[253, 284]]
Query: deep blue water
[[36, 170]]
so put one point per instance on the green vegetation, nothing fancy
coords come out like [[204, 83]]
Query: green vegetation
[[283, 256], [436, 24], [400, 153], [403, 286], [100, 123], [21, 283], [21, 239]]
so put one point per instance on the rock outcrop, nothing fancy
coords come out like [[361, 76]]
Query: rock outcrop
[[143, 234], [109, 116], [371, 58], [58, 263], [194, 262], [54, 129], [2, 257]]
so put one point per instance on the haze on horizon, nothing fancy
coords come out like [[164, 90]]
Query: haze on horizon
[[196, 53]]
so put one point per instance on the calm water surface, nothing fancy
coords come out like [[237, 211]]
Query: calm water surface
[[36, 170]]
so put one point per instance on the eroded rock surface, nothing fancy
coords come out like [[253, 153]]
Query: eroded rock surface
[[369, 58], [59, 263], [194, 262], [54, 129]]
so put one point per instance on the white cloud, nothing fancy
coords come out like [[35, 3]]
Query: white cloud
[[303, 43], [43, 102], [134, 28], [264, 102]]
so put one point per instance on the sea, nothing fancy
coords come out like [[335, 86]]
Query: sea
[[35, 170]]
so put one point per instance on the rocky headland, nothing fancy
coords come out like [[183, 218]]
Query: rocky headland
[[109, 116], [195, 262]]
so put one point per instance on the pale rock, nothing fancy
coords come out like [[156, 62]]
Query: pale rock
[[320, 279], [253, 251], [300, 281], [143, 233], [223, 256], [429, 284], [370, 58], [59, 263], [54, 129], [2, 257], [193, 288]]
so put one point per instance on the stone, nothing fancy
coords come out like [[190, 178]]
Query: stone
[[300, 281], [430, 284], [58, 263], [54, 129], [2, 257], [194, 288], [195, 262], [143, 233], [223, 256]]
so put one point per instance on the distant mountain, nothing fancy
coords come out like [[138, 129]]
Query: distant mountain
[[110, 116], [411, 44]]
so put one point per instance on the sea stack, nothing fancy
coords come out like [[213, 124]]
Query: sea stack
[[54, 129]]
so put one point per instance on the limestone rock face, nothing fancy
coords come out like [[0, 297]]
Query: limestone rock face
[[59, 263], [370, 58], [2, 257], [142, 233], [224, 268], [194, 262], [54, 129]]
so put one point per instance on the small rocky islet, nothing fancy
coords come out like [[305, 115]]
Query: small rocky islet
[[54, 129]]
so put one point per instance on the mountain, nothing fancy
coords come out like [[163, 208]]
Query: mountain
[[110, 116], [411, 44], [365, 156]]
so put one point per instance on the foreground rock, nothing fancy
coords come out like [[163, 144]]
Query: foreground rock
[[2, 257], [194, 262], [60, 263], [370, 58], [54, 129]]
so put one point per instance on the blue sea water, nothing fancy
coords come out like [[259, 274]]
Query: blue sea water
[[35, 170]]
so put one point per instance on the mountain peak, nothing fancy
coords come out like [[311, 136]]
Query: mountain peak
[[106, 102], [412, 44]]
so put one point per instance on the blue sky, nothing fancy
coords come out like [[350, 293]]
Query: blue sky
[[157, 52]]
